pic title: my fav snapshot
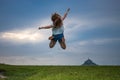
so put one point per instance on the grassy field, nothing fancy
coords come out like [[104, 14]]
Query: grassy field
[[61, 72]]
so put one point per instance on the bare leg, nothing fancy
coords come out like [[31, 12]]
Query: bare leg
[[52, 43], [62, 43]]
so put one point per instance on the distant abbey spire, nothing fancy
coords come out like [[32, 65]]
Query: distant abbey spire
[[89, 62]]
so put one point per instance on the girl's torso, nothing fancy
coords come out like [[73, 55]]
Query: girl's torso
[[58, 30]]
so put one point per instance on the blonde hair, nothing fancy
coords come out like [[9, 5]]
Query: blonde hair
[[57, 21]]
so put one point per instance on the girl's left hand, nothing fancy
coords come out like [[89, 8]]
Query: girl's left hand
[[68, 9]]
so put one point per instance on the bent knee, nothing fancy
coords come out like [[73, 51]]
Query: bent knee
[[51, 46], [63, 46]]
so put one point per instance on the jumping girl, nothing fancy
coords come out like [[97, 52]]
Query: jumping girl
[[57, 30]]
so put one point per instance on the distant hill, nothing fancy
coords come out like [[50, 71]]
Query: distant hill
[[89, 62]]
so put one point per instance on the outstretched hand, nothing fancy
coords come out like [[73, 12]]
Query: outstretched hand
[[40, 28], [68, 9]]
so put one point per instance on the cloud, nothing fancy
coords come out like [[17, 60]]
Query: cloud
[[60, 59], [18, 60], [23, 36], [73, 24], [26, 35], [99, 41]]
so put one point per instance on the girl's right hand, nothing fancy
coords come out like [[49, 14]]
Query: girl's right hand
[[40, 28], [51, 37]]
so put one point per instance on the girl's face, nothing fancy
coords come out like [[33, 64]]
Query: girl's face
[[55, 16], [58, 16], [57, 19], [57, 22]]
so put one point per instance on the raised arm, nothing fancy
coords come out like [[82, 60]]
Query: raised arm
[[45, 27], [65, 15]]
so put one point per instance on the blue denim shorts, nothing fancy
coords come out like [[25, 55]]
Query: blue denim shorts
[[58, 37]]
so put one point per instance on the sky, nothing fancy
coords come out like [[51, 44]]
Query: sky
[[92, 30]]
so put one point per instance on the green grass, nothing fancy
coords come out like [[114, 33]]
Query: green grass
[[61, 72]]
